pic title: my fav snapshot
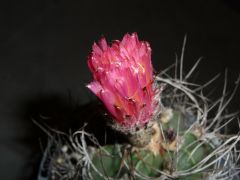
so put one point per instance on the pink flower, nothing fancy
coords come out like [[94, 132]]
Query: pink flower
[[123, 79]]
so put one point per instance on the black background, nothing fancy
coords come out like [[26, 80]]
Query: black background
[[44, 47]]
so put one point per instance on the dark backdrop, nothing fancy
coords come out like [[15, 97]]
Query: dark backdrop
[[44, 47]]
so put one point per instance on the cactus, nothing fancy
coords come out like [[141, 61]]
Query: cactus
[[178, 135]]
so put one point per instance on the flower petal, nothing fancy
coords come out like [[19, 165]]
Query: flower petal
[[123, 77]]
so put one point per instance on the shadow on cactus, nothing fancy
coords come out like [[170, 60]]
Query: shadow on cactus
[[173, 131]]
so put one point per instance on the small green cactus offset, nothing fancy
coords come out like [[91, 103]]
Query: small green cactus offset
[[171, 130]]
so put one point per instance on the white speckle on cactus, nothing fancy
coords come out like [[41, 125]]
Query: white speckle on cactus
[[166, 115]]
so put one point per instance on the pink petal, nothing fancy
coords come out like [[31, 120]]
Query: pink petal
[[95, 87]]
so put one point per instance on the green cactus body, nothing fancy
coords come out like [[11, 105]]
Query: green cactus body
[[119, 161], [183, 154]]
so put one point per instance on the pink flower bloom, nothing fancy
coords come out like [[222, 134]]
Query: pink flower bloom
[[123, 79]]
